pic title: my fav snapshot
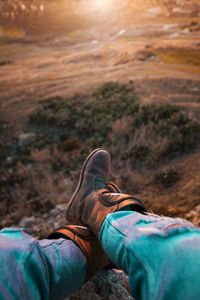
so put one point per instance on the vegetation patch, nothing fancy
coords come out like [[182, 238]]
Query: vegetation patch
[[146, 135], [91, 121], [166, 177]]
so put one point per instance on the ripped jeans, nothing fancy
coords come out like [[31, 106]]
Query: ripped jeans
[[161, 256]]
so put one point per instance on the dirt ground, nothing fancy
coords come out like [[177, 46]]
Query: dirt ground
[[153, 44]]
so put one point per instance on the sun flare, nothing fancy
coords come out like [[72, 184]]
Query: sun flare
[[102, 4]]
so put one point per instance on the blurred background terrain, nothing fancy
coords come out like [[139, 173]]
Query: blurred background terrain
[[81, 74]]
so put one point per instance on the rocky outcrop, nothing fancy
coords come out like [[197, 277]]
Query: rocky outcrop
[[106, 285], [194, 215], [26, 138]]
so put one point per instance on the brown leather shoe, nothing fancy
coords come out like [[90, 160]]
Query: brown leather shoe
[[88, 244], [93, 176], [93, 200]]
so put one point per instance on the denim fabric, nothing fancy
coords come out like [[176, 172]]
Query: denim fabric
[[161, 255], [31, 269]]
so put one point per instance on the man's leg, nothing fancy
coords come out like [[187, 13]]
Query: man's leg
[[161, 255], [32, 269]]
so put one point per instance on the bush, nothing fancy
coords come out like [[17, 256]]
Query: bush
[[151, 135], [90, 121], [55, 112], [67, 129], [71, 144], [167, 177]]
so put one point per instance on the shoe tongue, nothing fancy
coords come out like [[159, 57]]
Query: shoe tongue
[[99, 183]]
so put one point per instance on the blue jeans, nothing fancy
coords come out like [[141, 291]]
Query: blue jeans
[[160, 255], [33, 270]]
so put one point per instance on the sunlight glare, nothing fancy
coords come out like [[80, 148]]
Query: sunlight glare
[[102, 4]]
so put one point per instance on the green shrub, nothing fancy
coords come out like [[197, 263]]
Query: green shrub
[[71, 144], [141, 155], [166, 177], [91, 120], [156, 133], [113, 89], [54, 112]]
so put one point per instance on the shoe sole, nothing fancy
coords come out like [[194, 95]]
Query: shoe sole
[[81, 177]]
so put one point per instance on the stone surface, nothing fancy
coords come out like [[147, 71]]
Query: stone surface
[[26, 138], [194, 216], [108, 284]]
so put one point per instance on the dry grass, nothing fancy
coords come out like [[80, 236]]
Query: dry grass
[[36, 187]]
